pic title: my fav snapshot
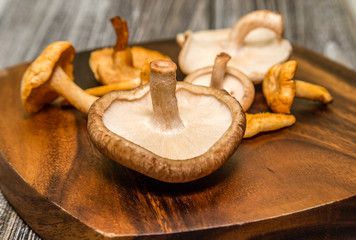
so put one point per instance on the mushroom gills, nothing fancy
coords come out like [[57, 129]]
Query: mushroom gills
[[232, 86], [229, 79], [255, 43], [204, 124], [214, 40]]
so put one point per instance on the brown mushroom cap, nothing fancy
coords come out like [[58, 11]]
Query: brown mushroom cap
[[142, 56], [102, 64], [254, 42], [122, 125], [235, 83], [35, 93], [279, 88]]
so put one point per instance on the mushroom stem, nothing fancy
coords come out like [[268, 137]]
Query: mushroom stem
[[122, 33], [257, 19], [164, 101], [265, 122], [312, 92], [219, 69], [69, 90], [122, 55], [104, 89]]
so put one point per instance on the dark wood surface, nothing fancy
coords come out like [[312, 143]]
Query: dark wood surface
[[26, 27], [291, 183]]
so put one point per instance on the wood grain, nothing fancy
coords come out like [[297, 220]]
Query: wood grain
[[290, 183]]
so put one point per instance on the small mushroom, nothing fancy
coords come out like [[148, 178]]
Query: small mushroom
[[121, 63], [279, 88], [173, 132], [230, 79], [255, 44], [50, 75], [265, 122]]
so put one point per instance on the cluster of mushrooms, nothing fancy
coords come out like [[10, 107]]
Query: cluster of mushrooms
[[250, 53], [142, 118]]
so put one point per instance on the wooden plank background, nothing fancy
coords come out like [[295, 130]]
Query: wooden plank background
[[26, 27]]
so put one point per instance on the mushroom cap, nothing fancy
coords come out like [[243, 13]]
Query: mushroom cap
[[102, 63], [142, 56], [35, 93], [235, 83], [121, 127], [279, 87], [261, 48]]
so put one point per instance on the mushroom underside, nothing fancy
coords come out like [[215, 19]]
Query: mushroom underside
[[168, 156], [102, 63], [234, 82], [203, 125], [235, 88], [260, 51], [36, 91]]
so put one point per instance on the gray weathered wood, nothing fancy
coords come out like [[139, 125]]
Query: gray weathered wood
[[26, 27]]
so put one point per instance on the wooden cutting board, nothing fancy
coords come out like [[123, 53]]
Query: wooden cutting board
[[298, 181]]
